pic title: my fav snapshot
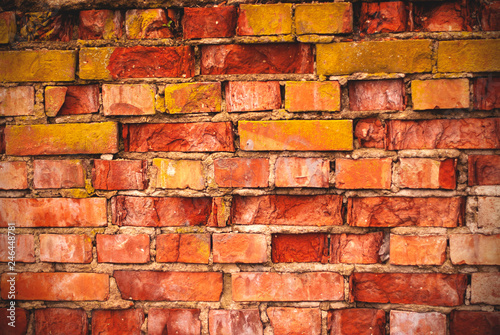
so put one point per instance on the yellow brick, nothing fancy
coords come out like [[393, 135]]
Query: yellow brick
[[94, 62], [193, 98], [258, 20], [179, 174], [469, 56], [323, 18]]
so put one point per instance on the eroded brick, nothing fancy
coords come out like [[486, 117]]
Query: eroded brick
[[490, 15], [174, 321], [485, 288], [71, 100], [58, 173], [427, 173], [246, 321], [417, 250], [209, 22], [7, 27], [60, 321], [119, 175], [147, 23], [367, 173], [440, 94], [193, 98], [65, 248], [100, 24], [411, 323], [133, 99], [295, 321], [24, 247], [242, 172], [302, 172], [239, 248], [122, 248], [383, 17], [475, 249], [126, 321], [370, 133], [356, 321], [471, 322], [250, 96], [13, 176], [377, 94], [484, 170], [488, 212], [183, 248], [356, 248], [45, 25], [290, 248], [17, 101], [486, 91], [448, 16], [312, 96]]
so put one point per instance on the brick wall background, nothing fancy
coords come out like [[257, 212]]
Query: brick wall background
[[271, 168]]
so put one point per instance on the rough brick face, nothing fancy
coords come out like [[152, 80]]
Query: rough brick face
[[356, 248], [147, 24], [24, 248], [183, 248], [485, 288], [246, 321], [417, 250], [58, 173], [71, 100], [486, 92], [475, 249], [252, 96], [450, 16], [193, 98], [174, 321], [289, 248], [275, 19], [117, 321], [383, 17], [417, 323], [356, 321], [100, 24], [295, 321], [21, 317], [484, 170], [13, 176], [209, 22], [377, 94], [65, 248], [119, 175], [60, 321], [440, 94], [363, 173], [16, 101], [122, 248], [312, 96], [302, 172], [427, 173], [242, 172], [239, 248], [488, 212], [468, 56], [472, 322], [370, 133], [323, 18]]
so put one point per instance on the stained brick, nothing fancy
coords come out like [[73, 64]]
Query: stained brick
[[119, 175], [122, 248], [370, 133], [302, 172], [368, 173], [475, 249], [295, 321], [383, 17], [60, 321], [183, 248], [7, 27], [13, 176], [2, 139], [239, 248], [485, 288], [45, 26], [440, 94], [21, 317], [427, 173], [100, 24], [265, 19], [323, 18], [377, 94], [468, 56], [417, 250], [71, 100], [245, 321], [356, 321], [488, 212], [247, 96], [490, 16], [65, 248], [58, 173], [114, 322], [179, 174], [471, 322], [486, 92], [289, 248], [312, 96], [16, 101], [209, 22], [134, 99], [147, 23], [242, 172], [174, 321], [484, 170], [448, 16], [356, 248], [24, 248], [411, 323], [193, 98]]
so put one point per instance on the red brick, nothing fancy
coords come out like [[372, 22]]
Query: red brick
[[485, 288], [239, 248], [484, 170], [488, 214], [301, 210], [193, 98], [17, 101], [45, 26], [272, 286], [2, 139], [356, 321], [370, 133], [242, 172], [363, 173], [209, 22], [475, 249], [435, 289], [356, 248], [302, 172], [65, 248], [8, 27], [132, 99], [58, 173], [256, 58], [160, 212], [490, 15], [174, 321], [221, 212], [188, 137], [248, 96], [383, 17], [418, 250], [486, 91], [312, 96], [183, 248], [246, 321], [60, 321], [289, 248], [119, 175], [71, 100], [13, 176], [122, 248], [115, 322], [147, 23], [58, 286], [24, 248], [440, 94], [410, 323], [365, 95], [404, 211], [443, 134], [427, 173], [264, 19], [100, 24], [295, 321], [169, 286], [449, 16], [21, 321], [469, 322], [53, 212]]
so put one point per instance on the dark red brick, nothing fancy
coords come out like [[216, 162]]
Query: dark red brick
[[370, 133], [60, 321], [376, 94], [246, 321], [383, 17], [356, 321], [19, 315], [436, 16], [2, 139], [487, 92], [174, 321], [116, 322], [295, 321], [289, 248], [490, 15], [484, 170], [471, 322], [209, 22], [119, 175]]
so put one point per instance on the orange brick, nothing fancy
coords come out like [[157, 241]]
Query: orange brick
[[122, 248], [295, 321], [177, 321], [312, 96], [242, 172], [132, 99], [440, 94], [127, 321], [245, 321], [119, 175], [357, 321], [356, 248], [417, 250], [368, 173], [13, 176], [239, 248], [302, 172], [183, 248], [58, 173], [16, 101], [24, 248], [65, 248], [427, 173]]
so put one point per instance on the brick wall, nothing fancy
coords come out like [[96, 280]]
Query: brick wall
[[278, 168]]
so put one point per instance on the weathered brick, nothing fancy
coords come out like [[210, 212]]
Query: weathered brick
[[447, 16], [468, 56], [440, 94], [383, 17], [148, 23], [114, 322], [272, 286], [40, 65], [62, 139], [16, 101], [475, 249], [486, 92], [404, 211], [24, 248], [20, 315], [363, 173], [60, 321], [45, 25], [7, 27], [207, 22], [435, 289], [65, 248], [100, 24], [484, 170], [53, 212], [122, 248], [183, 248], [58, 173], [410, 56], [302, 172], [295, 321], [174, 321], [289, 248], [443, 134], [490, 15], [132, 99], [417, 250], [193, 98], [70, 100], [377, 94], [265, 19], [190, 137], [256, 58], [485, 288], [221, 212], [370, 133], [296, 135], [245, 321], [356, 248], [488, 212], [323, 18], [160, 212], [13, 176], [239, 248], [356, 321], [179, 174], [2, 139], [411, 323], [294, 210], [248, 96], [427, 173], [471, 322], [58, 286], [169, 286], [312, 96], [242, 172], [119, 175]]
